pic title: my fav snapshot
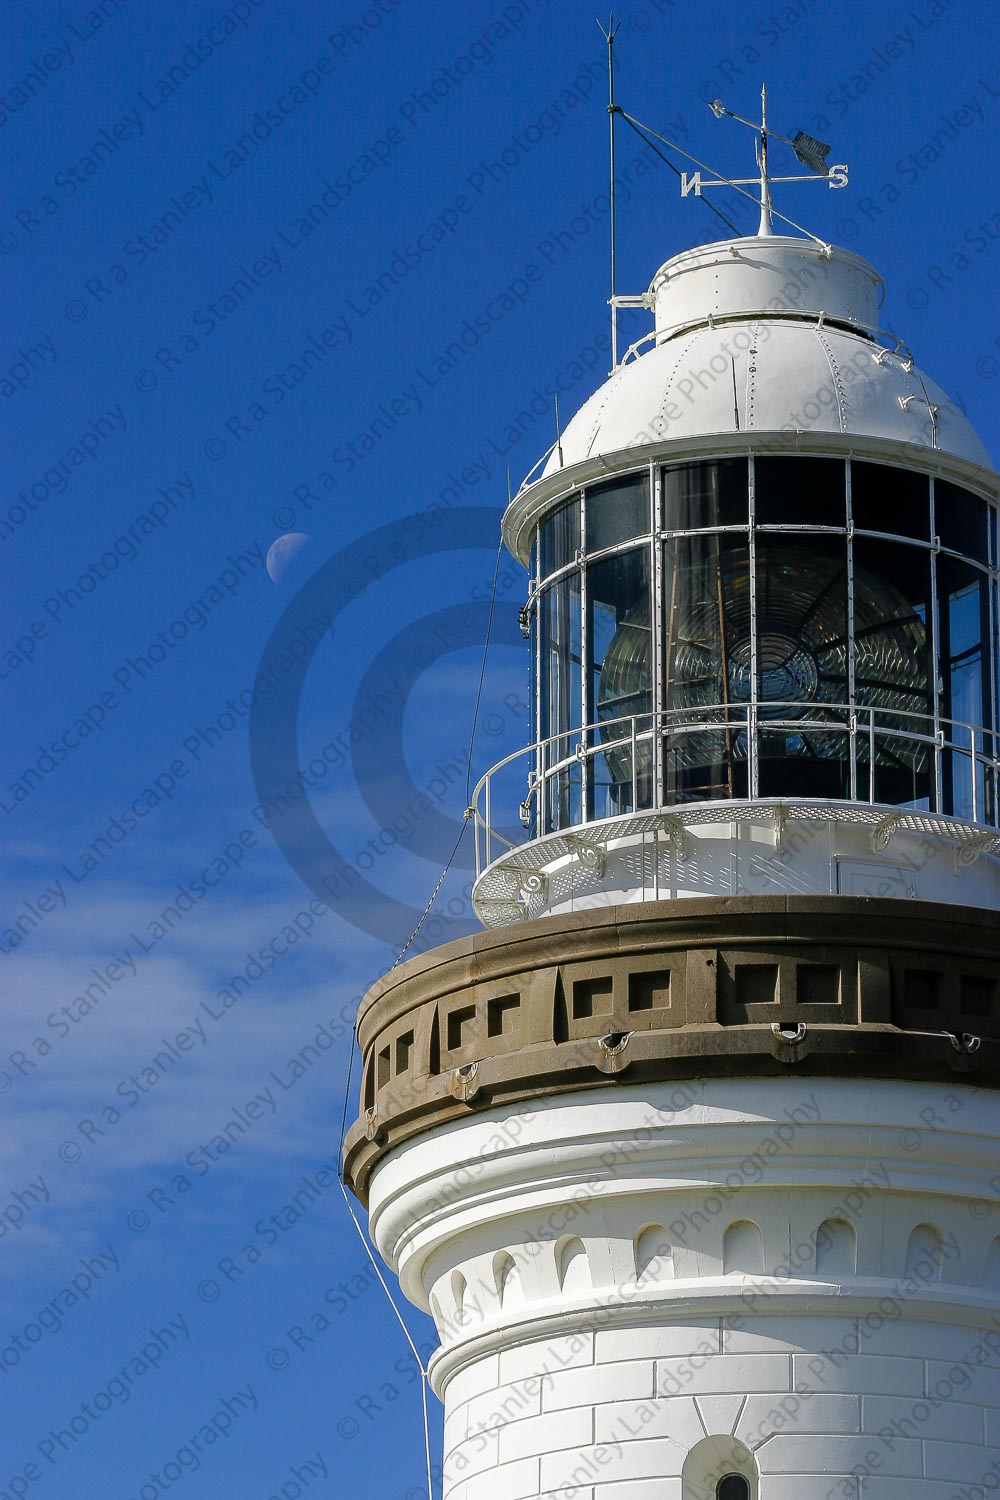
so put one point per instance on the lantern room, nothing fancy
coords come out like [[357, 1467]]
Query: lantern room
[[762, 566]]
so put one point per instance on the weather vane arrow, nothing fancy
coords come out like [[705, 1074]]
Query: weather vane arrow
[[811, 152]]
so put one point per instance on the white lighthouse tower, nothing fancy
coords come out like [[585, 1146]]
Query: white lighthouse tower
[[694, 1153]]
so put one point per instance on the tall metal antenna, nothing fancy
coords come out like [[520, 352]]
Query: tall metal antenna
[[765, 181], [609, 37]]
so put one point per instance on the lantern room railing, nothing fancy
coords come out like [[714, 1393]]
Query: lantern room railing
[[660, 762]]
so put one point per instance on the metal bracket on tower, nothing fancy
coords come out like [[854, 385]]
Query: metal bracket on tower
[[780, 824], [932, 409], [677, 834], [788, 1045], [793, 1034], [906, 360], [611, 1050], [536, 883], [883, 831], [514, 908], [588, 854], [969, 849], [463, 1081]]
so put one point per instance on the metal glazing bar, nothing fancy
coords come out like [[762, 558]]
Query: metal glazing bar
[[586, 661], [851, 695], [975, 778], [543, 790], [938, 802], [657, 624], [489, 818], [753, 749]]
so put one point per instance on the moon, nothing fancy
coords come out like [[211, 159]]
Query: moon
[[282, 553]]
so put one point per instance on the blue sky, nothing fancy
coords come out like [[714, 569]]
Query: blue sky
[[235, 244]]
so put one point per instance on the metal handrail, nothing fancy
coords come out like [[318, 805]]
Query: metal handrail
[[898, 346], [863, 725]]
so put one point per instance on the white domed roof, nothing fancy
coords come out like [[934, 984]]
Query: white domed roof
[[767, 374], [767, 334]]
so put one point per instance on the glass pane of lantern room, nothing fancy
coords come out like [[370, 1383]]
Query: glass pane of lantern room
[[619, 651], [706, 666], [559, 538], [893, 672], [707, 494], [961, 521], [962, 618], [617, 512], [561, 697], [800, 492], [802, 673], [894, 501]]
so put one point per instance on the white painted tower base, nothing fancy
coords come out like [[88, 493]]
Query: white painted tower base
[[642, 1288]]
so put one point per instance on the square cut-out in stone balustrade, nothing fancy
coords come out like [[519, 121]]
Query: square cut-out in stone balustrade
[[977, 995], [404, 1053], [649, 991], [756, 984], [922, 989], [593, 997], [500, 1014], [817, 984], [461, 1027]]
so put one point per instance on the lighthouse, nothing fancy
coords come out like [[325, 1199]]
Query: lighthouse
[[693, 1153]]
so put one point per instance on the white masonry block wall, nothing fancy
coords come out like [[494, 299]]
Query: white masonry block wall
[[641, 1289]]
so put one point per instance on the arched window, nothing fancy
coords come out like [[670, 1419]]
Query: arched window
[[458, 1290], [836, 1248], [573, 1266], [743, 1249], [653, 1254], [924, 1253], [719, 1468], [508, 1281]]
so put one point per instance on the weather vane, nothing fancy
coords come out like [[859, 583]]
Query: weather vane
[[810, 152]]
